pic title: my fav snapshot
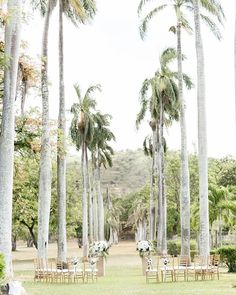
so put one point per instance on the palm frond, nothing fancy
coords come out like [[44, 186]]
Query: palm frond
[[41, 5], [185, 25], [141, 4], [143, 101], [78, 91], [148, 146], [214, 7], [149, 16], [188, 82], [212, 25], [167, 56], [92, 89], [90, 7], [79, 11], [75, 108]]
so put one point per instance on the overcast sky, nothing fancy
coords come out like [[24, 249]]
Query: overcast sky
[[110, 52]]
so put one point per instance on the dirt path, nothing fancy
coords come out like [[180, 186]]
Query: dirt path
[[23, 257]]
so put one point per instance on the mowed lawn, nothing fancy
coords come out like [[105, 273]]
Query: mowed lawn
[[123, 276]]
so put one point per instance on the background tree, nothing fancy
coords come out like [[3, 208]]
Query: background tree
[[215, 8], [12, 44], [102, 156], [82, 132], [45, 155], [181, 21], [77, 12]]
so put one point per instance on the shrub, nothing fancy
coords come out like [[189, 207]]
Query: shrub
[[174, 248], [2, 266], [228, 256]]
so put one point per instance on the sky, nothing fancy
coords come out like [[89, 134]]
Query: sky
[[110, 52]]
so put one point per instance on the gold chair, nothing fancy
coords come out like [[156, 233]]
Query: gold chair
[[38, 270], [181, 269], [90, 270], [215, 261], [202, 267], [152, 271], [167, 268], [78, 271]]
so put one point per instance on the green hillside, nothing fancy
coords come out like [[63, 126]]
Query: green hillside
[[130, 172]]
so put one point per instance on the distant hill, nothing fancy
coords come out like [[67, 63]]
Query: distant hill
[[130, 172]]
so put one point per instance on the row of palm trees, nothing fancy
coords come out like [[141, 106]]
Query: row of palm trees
[[78, 12], [90, 132], [169, 90]]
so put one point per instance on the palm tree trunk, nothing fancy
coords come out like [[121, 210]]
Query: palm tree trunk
[[184, 189], [202, 138], [95, 208], [61, 150], [162, 182], [90, 202], [12, 45], [159, 197], [84, 203], [100, 206], [220, 228], [152, 204], [45, 156]]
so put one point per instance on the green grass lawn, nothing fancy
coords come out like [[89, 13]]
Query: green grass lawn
[[123, 277], [127, 280]]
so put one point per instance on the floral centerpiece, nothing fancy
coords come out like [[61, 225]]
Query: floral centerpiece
[[97, 252], [99, 248], [144, 247]]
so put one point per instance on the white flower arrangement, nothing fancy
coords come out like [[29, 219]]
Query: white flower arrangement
[[144, 247], [99, 249]]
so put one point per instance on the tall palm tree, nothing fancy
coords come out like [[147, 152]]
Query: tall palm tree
[[103, 152], [185, 190], [214, 8], [220, 203], [82, 132], [182, 22], [12, 45], [45, 155], [78, 12], [164, 107]]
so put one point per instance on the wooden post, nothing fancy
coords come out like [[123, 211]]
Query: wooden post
[[101, 266]]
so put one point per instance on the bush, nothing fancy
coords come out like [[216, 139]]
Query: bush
[[228, 256], [2, 266], [174, 248]]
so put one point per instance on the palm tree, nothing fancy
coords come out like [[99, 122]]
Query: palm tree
[[220, 203], [215, 8], [164, 108], [77, 12], [113, 212], [181, 22], [82, 132], [45, 155], [102, 157], [138, 214], [12, 45], [185, 191]]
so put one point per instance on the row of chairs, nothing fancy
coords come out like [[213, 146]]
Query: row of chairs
[[71, 271], [173, 268]]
